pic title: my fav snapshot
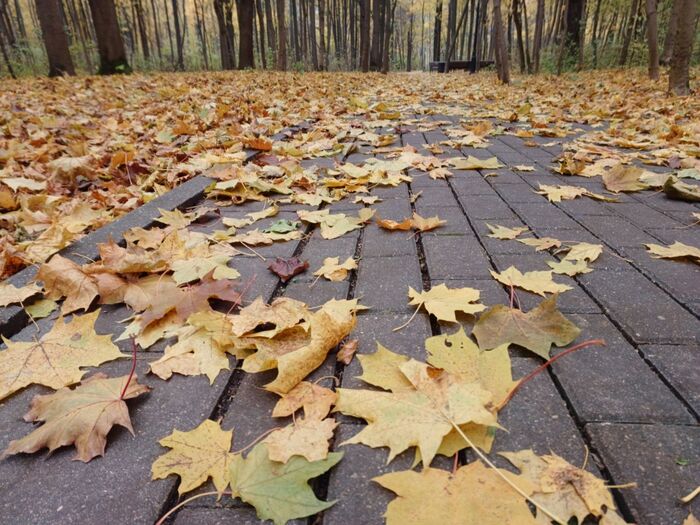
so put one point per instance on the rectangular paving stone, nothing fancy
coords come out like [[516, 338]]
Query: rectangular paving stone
[[645, 216], [318, 249], [378, 242], [456, 222], [383, 282], [680, 366], [542, 215], [615, 231], [646, 313], [485, 207], [455, 257], [517, 192], [318, 294], [396, 209], [613, 383], [76, 492], [221, 515], [436, 197], [650, 455], [494, 245], [470, 184]]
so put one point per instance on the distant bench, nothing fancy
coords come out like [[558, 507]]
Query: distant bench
[[466, 65]]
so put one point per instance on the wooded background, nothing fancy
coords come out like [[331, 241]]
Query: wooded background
[[370, 35]]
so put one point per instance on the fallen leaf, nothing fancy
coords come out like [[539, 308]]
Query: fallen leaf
[[535, 330], [282, 314], [565, 490], [536, 282], [196, 456], [583, 251], [282, 226], [559, 193], [541, 244], [314, 399], [279, 491], [569, 268], [191, 269], [305, 437], [82, 416], [41, 308], [444, 303], [624, 179], [472, 163], [286, 268], [420, 416], [10, 294], [63, 278], [473, 494], [503, 233], [347, 351], [57, 358], [679, 190], [334, 271], [416, 222], [677, 250], [522, 167]]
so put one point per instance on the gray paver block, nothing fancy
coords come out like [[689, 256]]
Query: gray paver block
[[613, 383], [75, 492], [378, 242], [456, 221], [471, 184], [646, 313], [485, 207], [436, 197], [382, 282], [318, 294], [222, 515], [649, 455], [318, 248], [680, 366], [455, 257], [645, 216], [518, 192], [615, 231], [544, 215]]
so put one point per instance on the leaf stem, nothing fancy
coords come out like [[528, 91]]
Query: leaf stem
[[133, 368], [409, 321], [188, 500], [520, 491], [531, 375]]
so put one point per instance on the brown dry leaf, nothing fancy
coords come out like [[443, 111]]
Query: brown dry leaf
[[583, 251], [190, 299], [474, 494], [57, 358], [63, 278], [559, 193], [338, 224], [10, 294], [314, 399], [677, 250], [284, 313], [306, 437], [347, 351], [564, 489], [536, 282], [624, 179], [297, 352], [535, 330], [691, 520], [416, 222], [196, 456], [82, 416], [504, 234], [444, 302], [334, 271], [286, 268], [682, 191]]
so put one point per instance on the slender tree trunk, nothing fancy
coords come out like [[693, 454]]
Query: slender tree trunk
[[246, 18], [409, 44], [143, 30], [270, 26], [451, 43], [388, 30], [653, 39], [281, 37], [364, 35], [323, 51], [313, 44], [574, 17], [518, 21], [5, 55], [451, 24], [375, 58], [679, 73], [670, 34], [632, 20], [223, 10], [437, 31], [170, 33], [595, 36], [54, 36], [261, 32], [156, 29], [502, 66], [537, 44], [179, 37], [109, 38]]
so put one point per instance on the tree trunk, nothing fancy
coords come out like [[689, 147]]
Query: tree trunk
[[502, 66], [518, 21], [246, 17], [364, 35], [670, 34], [179, 37], [313, 44], [679, 73], [170, 33], [437, 30], [653, 39], [270, 26], [281, 37], [323, 53], [156, 30], [537, 44], [261, 32], [375, 56], [5, 55], [109, 38], [388, 29], [409, 45], [451, 24], [574, 17], [631, 22], [223, 10], [143, 31], [595, 36], [54, 36]]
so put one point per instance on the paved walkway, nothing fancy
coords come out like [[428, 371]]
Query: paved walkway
[[633, 404]]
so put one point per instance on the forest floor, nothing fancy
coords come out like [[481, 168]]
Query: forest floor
[[454, 146]]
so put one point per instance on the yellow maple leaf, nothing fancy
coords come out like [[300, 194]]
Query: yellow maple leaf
[[536, 282]]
